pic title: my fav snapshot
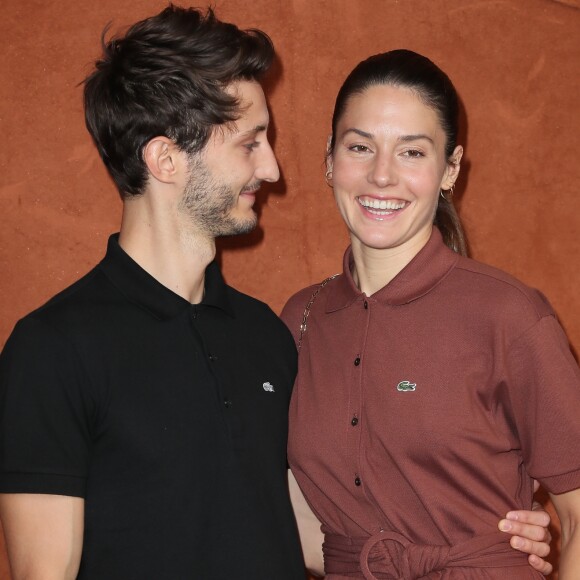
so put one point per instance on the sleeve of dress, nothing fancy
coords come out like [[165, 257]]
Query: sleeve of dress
[[45, 413], [544, 387]]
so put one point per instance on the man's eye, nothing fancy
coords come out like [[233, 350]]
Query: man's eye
[[251, 146]]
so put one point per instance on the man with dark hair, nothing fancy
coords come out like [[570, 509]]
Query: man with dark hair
[[144, 409]]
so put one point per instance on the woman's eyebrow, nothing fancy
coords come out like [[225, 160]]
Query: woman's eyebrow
[[417, 137], [403, 138], [358, 132]]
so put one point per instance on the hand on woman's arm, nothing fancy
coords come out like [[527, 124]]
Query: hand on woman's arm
[[568, 507], [311, 537]]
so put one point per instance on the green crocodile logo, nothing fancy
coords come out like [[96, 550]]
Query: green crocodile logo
[[406, 386]]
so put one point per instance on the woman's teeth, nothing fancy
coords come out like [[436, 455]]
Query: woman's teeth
[[384, 205]]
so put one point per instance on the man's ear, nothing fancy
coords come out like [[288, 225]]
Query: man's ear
[[162, 158]]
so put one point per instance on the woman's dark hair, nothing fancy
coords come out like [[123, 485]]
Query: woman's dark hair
[[167, 76], [405, 68]]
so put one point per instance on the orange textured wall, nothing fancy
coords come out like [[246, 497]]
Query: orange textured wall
[[514, 62]]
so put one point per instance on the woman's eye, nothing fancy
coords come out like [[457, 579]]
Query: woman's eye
[[414, 153], [358, 148]]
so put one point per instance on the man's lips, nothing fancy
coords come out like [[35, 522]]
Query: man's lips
[[251, 189]]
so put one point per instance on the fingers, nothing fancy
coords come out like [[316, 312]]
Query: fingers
[[540, 549], [530, 535], [540, 565], [537, 551], [527, 532], [538, 517]]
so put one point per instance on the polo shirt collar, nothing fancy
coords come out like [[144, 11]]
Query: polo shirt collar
[[141, 288], [417, 278]]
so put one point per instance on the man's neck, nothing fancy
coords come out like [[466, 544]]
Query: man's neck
[[173, 254]]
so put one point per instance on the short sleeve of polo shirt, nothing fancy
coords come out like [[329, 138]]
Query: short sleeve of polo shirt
[[44, 413], [544, 390]]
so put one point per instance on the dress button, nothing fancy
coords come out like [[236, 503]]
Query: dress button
[[227, 403], [366, 304], [213, 357], [357, 481], [357, 361], [354, 421]]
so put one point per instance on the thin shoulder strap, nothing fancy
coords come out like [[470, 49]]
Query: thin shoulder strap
[[309, 306]]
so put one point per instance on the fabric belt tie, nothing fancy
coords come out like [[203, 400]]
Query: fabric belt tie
[[390, 556]]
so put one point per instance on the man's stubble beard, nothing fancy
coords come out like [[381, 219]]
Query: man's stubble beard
[[208, 204]]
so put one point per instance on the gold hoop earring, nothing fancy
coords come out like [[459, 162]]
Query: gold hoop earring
[[449, 193], [328, 177]]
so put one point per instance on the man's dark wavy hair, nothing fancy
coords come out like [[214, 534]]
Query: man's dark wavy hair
[[167, 76]]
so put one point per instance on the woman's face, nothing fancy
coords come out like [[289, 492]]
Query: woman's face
[[388, 166]]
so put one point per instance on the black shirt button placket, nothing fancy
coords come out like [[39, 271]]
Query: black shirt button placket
[[227, 401]]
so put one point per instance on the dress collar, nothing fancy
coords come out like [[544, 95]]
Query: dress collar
[[417, 278], [141, 288]]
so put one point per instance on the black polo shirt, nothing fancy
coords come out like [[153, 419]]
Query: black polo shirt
[[169, 418]]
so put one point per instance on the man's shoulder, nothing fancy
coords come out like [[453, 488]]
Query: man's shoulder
[[246, 304], [79, 296], [74, 307], [257, 317]]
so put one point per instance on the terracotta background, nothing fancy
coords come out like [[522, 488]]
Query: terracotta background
[[514, 62]]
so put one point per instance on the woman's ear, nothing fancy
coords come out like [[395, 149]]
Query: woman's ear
[[161, 156], [328, 161], [328, 149], [452, 169]]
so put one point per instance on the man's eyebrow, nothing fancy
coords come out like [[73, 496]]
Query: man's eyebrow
[[254, 130]]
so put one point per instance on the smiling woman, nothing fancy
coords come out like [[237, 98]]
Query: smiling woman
[[389, 164], [433, 385]]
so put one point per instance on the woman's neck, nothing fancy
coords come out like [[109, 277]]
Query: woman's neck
[[374, 268]]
